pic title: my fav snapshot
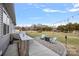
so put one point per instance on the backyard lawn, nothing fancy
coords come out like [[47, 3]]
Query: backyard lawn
[[72, 41]]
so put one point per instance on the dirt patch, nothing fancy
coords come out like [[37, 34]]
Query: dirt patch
[[72, 50]]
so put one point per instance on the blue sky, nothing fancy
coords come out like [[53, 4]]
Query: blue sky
[[46, 13]]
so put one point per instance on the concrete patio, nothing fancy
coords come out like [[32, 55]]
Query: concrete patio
[[37, 49], [34, 47]]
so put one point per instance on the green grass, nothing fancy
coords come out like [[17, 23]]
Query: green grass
[[72, 41], [72, 38]]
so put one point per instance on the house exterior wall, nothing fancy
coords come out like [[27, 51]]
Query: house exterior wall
[[1, 14], [11, 27], [5, 18]]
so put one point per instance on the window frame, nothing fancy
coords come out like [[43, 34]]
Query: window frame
[[6, 23]]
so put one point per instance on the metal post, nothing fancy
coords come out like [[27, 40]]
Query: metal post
[[66, 40]]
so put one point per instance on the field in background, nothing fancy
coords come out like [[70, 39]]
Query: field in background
[[72, 41]]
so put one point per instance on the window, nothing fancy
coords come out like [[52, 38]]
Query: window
[[4, 28], [7, 28], [5, 23]]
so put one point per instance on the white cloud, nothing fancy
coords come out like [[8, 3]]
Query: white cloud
[[24, 25], [28, 25], [47, 24], [58, 24], [52, 10], [64, 23], [75, 5], [73, 10]]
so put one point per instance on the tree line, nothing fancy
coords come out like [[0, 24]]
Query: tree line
[[34, 27], [68, 27], [62, 28]]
